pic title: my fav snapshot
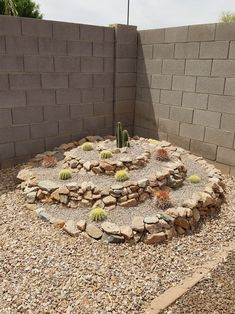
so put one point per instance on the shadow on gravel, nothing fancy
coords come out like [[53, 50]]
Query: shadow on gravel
[[8, 180]]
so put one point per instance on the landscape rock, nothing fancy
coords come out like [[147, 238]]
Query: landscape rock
[[71, 228], [110, 228], [155, 238], [129, 203], [48, 185], [81, 225], [109, 200], [93, 231], [137, 223], [126, 231], [113, 238]]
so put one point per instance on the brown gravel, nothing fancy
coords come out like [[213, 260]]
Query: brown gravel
[[43, 270]]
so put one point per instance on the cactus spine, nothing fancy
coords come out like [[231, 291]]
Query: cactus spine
[[122, 136]]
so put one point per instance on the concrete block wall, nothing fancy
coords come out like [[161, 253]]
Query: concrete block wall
[[186, 88]]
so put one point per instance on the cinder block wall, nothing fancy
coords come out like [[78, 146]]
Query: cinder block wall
[[57, 83], [186, 88]]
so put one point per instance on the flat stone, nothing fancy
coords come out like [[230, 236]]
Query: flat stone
[[109, 200], [182, 222], [113, 238], [57, 222], [143, 197], [74, 163], [153, 228], [44, 215], [71, 228], [87, 165], [196, 214], [106, 166], [72, 186], [64, 199], [117, 187], [166, 217], [151, 220], [31, 206], [55, 195], [93, 231], [31, 197], [155, 238], [63, 190], [48, 185], [125, 159], [127, 232], [81, 224], [25, 174], [129, 203], [110, 228], [143, 183], [137, 223]]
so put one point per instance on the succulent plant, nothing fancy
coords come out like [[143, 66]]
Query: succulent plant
[[153, 142], [121, 175], [122, 136], [194, 179], [98, 214], [162, 199], [49, 161], [104, 154], [87, 146], [162, 154], [65, 174]]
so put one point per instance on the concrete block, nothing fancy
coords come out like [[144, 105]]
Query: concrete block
[[93, 123], [186, 50], [208, 118], [109, 65], [229, 87], [179, 141], [203, 149], [109, 33], [11, 63], [68, 96], [91, 33], [176, 34], [6, 151], [124, 93], [70, 126], [91, 64], [27, 115], [152, 66], [80, 80], [186, 83], [67, 64], [92, 95], [40, 97], [163, 51], [11, 99], [151, 36], [228, 122], [49, 46], [201, 32], [225, 68], [173, 67], [36, 27], [38, 64], [29, 147], [192, 131], [169, 126], [79, 48], [21, 45], [161, 81], [143, 80], [219, 137], [160, 111], [3, 81], [214, 49], [145, 51], [10, 25], [150, 95], [232, 50], [195, 100], [2, 44], [42, 130], [181, 114], [5, 117], [126, 51], [24, 81], [198, 67], [108, 94], [171, 97], [147, 110], [55, 113], [226, 156], [124, 106], [210, 85], [14, 134], [103, 108], [126, 33], [225, 31], [54, 80], [81, 110], [105, 50], [123, 79], [66, 31], [222, 103], [125, 65]]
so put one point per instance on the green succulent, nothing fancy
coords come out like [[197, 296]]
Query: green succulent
[[87, 146], [121, 175], [153, 142], [65, 174], [104, 154], [98, 214], [194, 179]]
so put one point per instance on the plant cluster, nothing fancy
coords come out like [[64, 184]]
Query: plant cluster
[[49, 161], [65, 174], [162, 199], [122, 136], [121, 175], [98, 214], [194, 179], [105, 154], [162, 154], [87, 146]]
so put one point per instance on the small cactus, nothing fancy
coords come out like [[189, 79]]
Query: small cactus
[[125, 138], [162, 154], [87, 146], [122, 136], [162, 199], [194, 179], [104, 154], [65, 174], [121, 175], [98, 214], [49, 161]]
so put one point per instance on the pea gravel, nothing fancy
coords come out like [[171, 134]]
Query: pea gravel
[[43, 270]]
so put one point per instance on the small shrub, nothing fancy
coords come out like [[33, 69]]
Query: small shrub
[[87, 146], [162, 199], [162, 154], [104, 154], [153, 142], [121, 175], [65, 174], [194, 179], [98, 214], [49, 161]]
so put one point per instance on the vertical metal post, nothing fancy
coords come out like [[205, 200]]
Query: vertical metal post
[[128, 11]]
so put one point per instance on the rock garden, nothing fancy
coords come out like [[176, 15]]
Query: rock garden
[[121, 189]]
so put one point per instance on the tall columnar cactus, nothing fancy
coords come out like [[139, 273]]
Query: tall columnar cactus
[[125, 138], [122, 136]]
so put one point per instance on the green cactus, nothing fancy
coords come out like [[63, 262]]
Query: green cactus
[[98, 214], [104, 154], [87, 146], [194, 179], [125, 138], [65, 174], [121, 175], [122, 136]]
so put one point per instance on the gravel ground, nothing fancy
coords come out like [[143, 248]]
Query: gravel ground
[[42, 270], [214, 294]]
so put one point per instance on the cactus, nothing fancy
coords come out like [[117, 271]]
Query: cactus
[[98, 214], [65, 174], [104, 154], [162, 199], [162, 154], [121, 175], [194, 179], [87, 146], [122, 136], [125, 138], [49, 161]]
